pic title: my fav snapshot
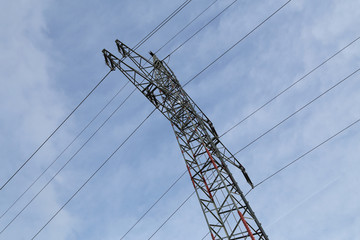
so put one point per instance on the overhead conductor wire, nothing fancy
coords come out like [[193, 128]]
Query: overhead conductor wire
[[153, 205], [229, 49], [182, 44], [158, 27], [64, 150], [69, 160], [187, 25], [172, 215], [300, 109], [62, 123], [303, 155], [138, 45], [97, 170], [289, 87], [47, 139]]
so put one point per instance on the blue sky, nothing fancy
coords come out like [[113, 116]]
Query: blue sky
[[51, 58]]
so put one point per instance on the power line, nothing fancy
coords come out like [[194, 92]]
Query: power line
[[70, 159], [182, 44], [138, 45], [306, 153], [186, 27], [152, 206], [158, 27], [131, 134], [287, 88], [297, 111], [65, 149], [229, 49], [47, 139], [172, 214]]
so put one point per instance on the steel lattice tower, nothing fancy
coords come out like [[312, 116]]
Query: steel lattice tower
[[226, 210]]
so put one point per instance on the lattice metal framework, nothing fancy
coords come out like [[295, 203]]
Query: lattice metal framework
[[227, 212]]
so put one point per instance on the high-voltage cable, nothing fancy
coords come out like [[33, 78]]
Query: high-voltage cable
[[153, 205], [171, 215], [187, 25], [292, 85], [158, 27], [47, 139], [229, 49], [297, 111], [139, 44], [97, 170], [136, 46], [303, 155], [65, 149], [69, 160], [182, 44]]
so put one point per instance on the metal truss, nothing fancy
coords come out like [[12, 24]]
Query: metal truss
[[226, 210]]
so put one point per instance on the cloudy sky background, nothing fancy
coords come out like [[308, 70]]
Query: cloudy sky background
[[50, 58]]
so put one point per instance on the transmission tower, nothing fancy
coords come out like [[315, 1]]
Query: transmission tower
[[226, 210]]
